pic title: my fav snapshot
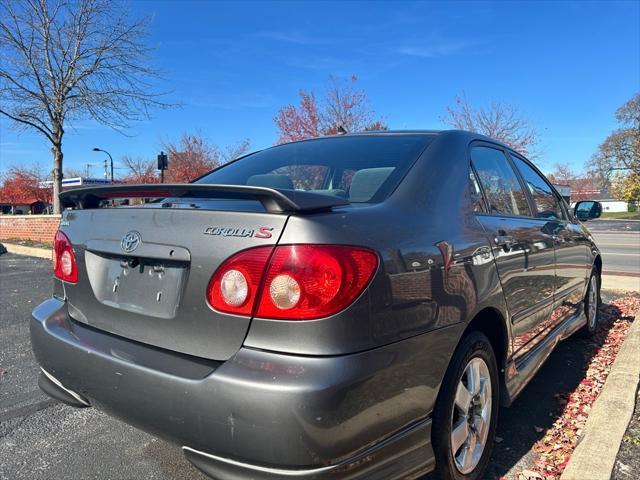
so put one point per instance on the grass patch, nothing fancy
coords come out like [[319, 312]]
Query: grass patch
[[622, 215]]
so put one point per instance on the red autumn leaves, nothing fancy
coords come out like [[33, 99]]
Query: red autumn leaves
[[343, 108], [559, 441], [23, 185]]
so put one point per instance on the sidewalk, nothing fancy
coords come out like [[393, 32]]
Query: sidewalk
[[30, 251], [595, 456], [620, 282]]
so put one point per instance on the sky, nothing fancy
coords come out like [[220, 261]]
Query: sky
[[566, 66]]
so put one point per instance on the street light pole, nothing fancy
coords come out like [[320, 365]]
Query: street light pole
[[96, 149]]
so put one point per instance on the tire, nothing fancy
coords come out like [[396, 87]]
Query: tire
[[466, 431], [591, 305]]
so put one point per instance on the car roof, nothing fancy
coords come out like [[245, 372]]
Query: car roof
[[460, 134], [450, 133], [399, 132]]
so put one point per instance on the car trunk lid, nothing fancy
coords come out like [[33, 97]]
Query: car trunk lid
[[143, 270], [156, 291]]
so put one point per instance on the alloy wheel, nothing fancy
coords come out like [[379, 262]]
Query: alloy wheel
[[471, 416]]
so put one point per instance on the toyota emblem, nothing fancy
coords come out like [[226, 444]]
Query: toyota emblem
[[130, 241]]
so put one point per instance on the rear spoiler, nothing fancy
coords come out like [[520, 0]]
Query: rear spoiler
[[273, 200]]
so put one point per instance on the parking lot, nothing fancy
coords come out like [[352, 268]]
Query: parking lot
[[42, 439]]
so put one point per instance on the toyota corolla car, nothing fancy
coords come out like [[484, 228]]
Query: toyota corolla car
[[349, 307]]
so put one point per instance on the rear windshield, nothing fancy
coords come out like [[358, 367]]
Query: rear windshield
[[362, 169]]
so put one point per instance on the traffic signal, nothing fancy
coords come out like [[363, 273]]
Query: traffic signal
[[163, 161]]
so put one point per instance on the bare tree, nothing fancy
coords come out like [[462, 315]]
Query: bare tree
[[63, 60], [189, 158], [621, 149], [75, 172], [616, 164], [583, 185], [562, 174], [139, 170], [344, 108], [347, 108], [235, 150], [501, 121]]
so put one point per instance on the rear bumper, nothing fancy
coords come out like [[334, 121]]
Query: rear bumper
[[257, 415], [400, 456]]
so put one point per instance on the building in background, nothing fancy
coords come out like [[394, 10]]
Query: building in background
[[22, 206], [77, 182], [21, 201], [564, 191], [613, 205]]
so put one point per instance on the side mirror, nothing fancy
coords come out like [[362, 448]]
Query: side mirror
[[587, 210]]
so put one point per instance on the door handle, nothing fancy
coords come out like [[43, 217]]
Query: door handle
[[504, 240]]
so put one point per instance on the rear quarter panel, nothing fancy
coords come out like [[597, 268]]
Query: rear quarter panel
[[436, 267]]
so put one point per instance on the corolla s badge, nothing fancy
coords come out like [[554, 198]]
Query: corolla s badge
[[260, 232], [130, 241]]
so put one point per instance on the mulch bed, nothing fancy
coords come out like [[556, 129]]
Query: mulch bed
[[559, 441], [627, 463]]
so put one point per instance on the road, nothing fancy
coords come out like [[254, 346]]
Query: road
[[44, 440], [619, 242]]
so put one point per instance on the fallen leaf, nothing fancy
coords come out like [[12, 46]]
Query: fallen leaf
[[555, 448], [530, 475]]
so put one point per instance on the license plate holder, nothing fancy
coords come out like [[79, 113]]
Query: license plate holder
[[145, 286]]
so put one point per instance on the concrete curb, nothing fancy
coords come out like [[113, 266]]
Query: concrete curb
[[30, 251], [595, 455]]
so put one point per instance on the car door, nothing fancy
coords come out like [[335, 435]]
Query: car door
[[570, 242], [522, 246]]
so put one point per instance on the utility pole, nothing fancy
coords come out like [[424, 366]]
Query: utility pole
[[87, 169], [96, 149]]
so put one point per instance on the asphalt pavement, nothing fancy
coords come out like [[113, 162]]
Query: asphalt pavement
[[41, 439], [619, 243], [612, 225]]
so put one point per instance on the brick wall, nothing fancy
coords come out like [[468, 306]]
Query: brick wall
[[39, 228]]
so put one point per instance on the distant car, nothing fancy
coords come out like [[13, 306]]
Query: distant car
[[346, 307]]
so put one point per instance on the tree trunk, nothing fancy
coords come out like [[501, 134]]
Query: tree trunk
[[56, 149]]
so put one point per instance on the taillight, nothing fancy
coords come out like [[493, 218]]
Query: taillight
[[64, 259], [292, 282], [234, 287]]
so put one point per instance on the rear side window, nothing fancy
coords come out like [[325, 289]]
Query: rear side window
[[501, 186], [360, 168], [546, 202]]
